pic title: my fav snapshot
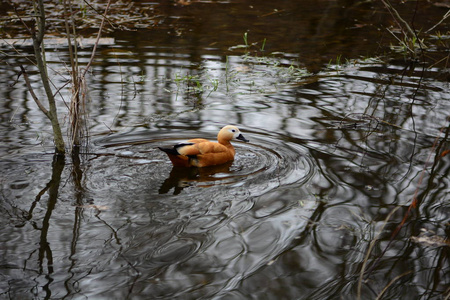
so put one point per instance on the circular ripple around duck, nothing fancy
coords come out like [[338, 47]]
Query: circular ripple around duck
[[267, 162]]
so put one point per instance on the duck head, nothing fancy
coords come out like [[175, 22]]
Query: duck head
[[228, 133]]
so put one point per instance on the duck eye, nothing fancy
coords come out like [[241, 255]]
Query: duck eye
[[233, 130]]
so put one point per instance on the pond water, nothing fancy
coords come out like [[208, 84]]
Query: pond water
[[345, 135]]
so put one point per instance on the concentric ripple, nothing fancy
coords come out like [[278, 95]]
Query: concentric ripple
[[196, 231], [267, 162]]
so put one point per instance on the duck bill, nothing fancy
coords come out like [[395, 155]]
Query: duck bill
[[242, 138]]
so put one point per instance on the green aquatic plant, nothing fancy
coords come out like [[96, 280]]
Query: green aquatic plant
[[242, 46], [188, 83], [263, 45], [335, 64], [408, 45], [214, 85], [245, 77], [230, 76], [250, 46]]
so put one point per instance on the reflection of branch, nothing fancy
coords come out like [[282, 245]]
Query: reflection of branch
[[36, 200], [119, 251], [49, 186], [44, 250], [53, 188], [439, 153], [436, 148], [380, 295]]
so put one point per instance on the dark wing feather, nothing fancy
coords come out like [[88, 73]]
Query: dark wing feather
[[174, 149]]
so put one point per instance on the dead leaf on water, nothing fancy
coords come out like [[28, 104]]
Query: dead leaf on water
[[97, 207], [428, 238]]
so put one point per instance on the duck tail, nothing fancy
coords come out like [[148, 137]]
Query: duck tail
[[175, 157], [172, 150]]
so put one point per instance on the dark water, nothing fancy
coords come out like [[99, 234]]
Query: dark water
[[342, 139]]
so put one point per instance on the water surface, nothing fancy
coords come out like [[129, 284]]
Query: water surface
[[343, 138]]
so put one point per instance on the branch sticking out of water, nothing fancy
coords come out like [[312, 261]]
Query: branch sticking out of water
[[38, 38], [410, 37], [33, 95], [415, 203]]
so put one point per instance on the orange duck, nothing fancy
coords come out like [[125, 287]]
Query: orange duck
[[203, 153]]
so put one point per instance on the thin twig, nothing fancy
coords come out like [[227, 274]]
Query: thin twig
[[414, 204], [30, 89], [390, 283], [399, 20], [75, 99], [97, 41], [397, 16], [39, 52], [104, 15], [438, 23], [369, 251]]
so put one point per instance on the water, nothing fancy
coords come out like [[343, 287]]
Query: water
[[338, 151]]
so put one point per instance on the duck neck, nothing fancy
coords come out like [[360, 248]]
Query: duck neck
[[227, 144], [224, 142]]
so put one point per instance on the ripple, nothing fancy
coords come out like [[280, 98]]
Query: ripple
[[173, 252], [267, 162]]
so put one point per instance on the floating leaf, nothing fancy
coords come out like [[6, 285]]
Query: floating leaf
[[428, 238]]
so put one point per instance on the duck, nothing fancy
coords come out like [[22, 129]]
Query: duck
[[204, 153]]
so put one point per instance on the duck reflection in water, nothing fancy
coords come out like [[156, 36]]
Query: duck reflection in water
[[199, 159], [181, 177]]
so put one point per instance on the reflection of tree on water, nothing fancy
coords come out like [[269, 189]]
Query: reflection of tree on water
[[45, 251], [181, 177], [52, 188], [77, 176]]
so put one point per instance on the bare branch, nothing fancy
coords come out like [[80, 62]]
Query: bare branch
[[98, 39], [438, 23], [39, 53], [30, 89]]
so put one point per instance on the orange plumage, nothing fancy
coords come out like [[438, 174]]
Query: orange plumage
[[203, 153]]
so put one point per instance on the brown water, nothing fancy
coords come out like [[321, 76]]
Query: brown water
[[341, 140]]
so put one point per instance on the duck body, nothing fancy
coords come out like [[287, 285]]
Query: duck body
[[202, 152]]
